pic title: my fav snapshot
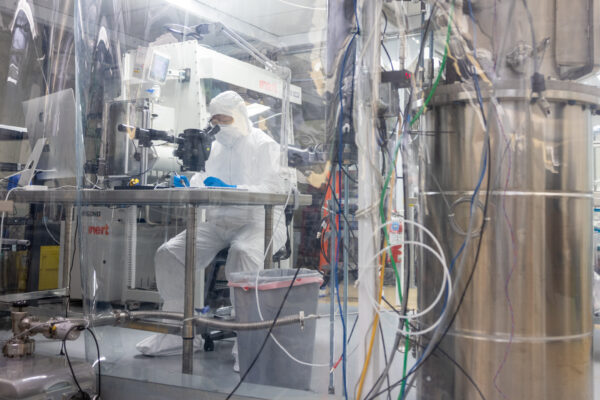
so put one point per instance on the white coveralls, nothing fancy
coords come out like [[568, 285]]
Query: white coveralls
[[244, 156]]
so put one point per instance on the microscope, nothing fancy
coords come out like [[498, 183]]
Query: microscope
[[193, 145]]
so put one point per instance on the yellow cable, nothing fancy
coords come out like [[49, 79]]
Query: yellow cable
[[375, 319], [373, 334]]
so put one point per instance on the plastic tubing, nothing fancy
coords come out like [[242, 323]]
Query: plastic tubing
[[447, 278], [287, 353], [439, 255]]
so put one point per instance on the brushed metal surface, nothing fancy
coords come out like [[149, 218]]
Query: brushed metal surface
[[565, 33], [538, 233], [152, 197], [43, 377]]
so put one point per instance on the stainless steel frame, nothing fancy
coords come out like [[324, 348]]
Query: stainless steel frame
[[174, 197]]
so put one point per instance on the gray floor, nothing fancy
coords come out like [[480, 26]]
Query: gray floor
[[124, 368]]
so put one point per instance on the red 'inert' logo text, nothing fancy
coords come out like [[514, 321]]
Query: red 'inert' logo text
[[98, 230]]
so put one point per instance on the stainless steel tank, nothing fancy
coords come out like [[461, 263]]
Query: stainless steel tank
[[524, 330], [537, 245]]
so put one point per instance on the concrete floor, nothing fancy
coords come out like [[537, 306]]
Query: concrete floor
[[213, 371], [129, 375]]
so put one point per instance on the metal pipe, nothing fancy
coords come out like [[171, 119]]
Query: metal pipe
[[268, 236], [244, 44], [124, 317], [153, 326], [188, 308], [251, 326], [103, 152], [332, 239], [144, 166]]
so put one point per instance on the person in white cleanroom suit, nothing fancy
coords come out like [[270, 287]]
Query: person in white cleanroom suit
[[243, 157]]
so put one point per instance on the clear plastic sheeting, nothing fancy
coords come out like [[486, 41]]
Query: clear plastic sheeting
[[132, 193], [409, 185], [38, 144]]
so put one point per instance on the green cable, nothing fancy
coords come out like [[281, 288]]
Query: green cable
[[387, 182]]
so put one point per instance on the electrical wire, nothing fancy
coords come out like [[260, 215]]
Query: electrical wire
[[98, 361], [440, 350], [266, 336], [443, 288], [72, 263], [398, 338], [339, 209], [487, 153], [83, 394], [385, 359], [403, 381], [440, 256], [423, 359], [258, 307], [425, 355], [392, 168], [349, 338], [44, 220], [514, 258]]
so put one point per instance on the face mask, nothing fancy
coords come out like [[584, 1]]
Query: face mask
[[228, 135]]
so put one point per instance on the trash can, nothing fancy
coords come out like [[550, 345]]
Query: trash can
[[274, 367]]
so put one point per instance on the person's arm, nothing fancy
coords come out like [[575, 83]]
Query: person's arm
[[268, 178]]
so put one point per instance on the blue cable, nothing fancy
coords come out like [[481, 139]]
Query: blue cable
[[356, 17], [479, 183], [339, 208]]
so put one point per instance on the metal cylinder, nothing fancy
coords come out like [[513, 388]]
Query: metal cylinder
[[564, 31], [524, 330], [268, 235], [190, 279]]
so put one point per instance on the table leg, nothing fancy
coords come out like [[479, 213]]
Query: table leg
[[66, 262], [268, 236], [188, 311]]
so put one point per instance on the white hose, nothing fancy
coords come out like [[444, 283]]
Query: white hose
[[439, 255], [447, 278], [422, 227], [258, 298]]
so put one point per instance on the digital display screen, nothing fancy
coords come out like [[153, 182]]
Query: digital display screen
[[159, 68]]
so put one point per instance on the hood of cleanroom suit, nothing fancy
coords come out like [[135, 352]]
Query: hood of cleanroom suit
[[231, 104]]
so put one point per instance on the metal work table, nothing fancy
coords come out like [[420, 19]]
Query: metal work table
[[188, 197]]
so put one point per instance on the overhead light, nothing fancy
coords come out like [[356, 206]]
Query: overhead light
[[255, 109]]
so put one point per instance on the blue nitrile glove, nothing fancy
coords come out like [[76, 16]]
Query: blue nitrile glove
[[211, 181], [180, 181], [13, 181]]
